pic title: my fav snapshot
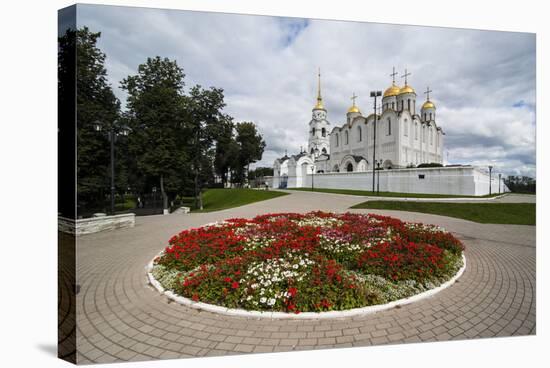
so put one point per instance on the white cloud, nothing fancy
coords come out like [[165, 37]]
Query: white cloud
[[267, 67]]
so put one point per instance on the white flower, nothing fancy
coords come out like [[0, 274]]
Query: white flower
[[271, 301], [263, 299]]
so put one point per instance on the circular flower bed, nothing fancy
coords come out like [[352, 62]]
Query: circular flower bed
[[312, 262]]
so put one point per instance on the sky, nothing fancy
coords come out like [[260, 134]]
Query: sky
[[483, 82]]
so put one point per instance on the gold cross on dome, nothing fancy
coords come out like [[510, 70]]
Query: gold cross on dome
[[427, 93], [393, 74], [405, 76], [353, 98]]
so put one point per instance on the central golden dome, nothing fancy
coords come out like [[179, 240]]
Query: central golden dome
[[406, 89], [393, 90]]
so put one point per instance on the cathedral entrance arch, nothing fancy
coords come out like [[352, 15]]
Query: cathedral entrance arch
[[283, 182], [387, 164], [349, 167]]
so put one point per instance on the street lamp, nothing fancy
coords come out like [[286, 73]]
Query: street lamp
[[490, 179], [112, 135], [374, 94], [499, 175], [378, 163]]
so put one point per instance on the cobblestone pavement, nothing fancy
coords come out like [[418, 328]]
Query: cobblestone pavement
[[121, 318]]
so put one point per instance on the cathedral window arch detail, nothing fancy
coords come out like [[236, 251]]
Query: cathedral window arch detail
[[406, 127], [337, 139], [359, 134], [323, 132], [389, 126], [346, 136]]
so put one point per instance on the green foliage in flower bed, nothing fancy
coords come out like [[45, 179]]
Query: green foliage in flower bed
[[313, 262]]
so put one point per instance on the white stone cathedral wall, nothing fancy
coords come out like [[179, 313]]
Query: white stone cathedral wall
[[450, 180]]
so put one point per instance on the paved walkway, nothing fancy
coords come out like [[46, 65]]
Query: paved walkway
[[121, 318]]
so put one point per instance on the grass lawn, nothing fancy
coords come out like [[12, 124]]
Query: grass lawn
[[486, 213], [388, 194], [221, 199]]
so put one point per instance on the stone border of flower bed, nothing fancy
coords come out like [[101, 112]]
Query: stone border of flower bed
[[303, 315]]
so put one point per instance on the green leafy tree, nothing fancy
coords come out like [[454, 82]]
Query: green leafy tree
[[227, 151], [206, 122], [96, 106], [251, 148], [260, 172], [158, 136]]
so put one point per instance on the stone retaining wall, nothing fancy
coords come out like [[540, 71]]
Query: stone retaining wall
[[95, 224]]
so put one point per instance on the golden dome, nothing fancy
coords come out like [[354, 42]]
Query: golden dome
[[354, 109], [319, 105], [393, 90], [428, 105], [406, 89]]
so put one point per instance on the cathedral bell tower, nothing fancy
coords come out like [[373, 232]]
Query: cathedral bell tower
[[318, 137]]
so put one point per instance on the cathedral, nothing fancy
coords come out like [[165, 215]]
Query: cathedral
[[405, 137]]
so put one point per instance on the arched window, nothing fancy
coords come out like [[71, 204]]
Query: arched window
[[349, 168], [359, 134], [389, 126], [430, 116], [346, 137], [424, 134], [337, 140], [409, 104], [324, 150], [312, 150], [313, 131], [393, 105], [406, 127], [323, 132]]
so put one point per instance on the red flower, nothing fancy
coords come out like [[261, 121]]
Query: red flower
[[228, 279], [235, 285], [195, 297], [292, 291]]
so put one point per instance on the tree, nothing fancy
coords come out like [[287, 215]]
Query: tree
[[96, 104], [521, 184], [260, 172], [206, 122], [158, 136], [227, 151], [251, 148]]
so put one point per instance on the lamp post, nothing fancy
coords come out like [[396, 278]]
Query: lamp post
[[378, 163], [490, 179], [112, 135], [374, 94], [499, 176]]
